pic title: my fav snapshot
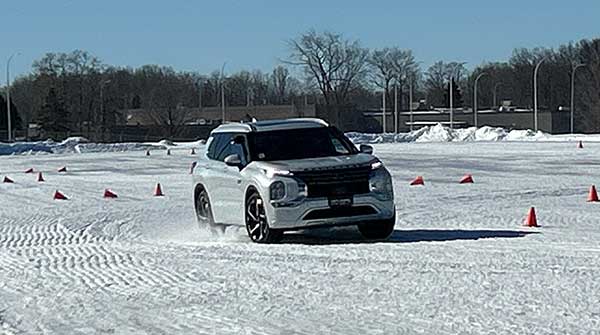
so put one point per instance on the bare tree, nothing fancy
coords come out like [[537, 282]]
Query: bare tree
[[280, 78], [337, 65], [393, 65]]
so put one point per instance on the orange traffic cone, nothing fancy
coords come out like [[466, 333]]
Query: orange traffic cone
[[63, 169], [109, 194], [193, 151], [593, 196], [158, 191], [7, 180], [40, 177], [193, 167], [168, 152], [580, 145], [59, 196], [468, 179], [30, 170], [417, 181], [531, 220], [148, 152]]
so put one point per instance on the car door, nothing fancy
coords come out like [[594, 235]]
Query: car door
[[231, 188], [215, 174]]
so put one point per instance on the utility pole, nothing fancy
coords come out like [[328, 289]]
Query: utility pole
[[8, 116], [572, 109], [475, 97], [535, 97]]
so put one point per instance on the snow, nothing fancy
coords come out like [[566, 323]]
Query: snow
[[440, 133], [459, 262], [437, 133]]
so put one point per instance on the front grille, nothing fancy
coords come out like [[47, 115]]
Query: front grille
[[336, 182], [339, 212]]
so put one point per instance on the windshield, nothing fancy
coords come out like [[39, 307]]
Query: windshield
[[299, 144]]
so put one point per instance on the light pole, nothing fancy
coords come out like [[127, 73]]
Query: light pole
[[410, 102], [454, 70], [8, 116], [475, 97], [495, 93], [102, 114], [223, 93], [396, 107], [535, 98], [572, 109], [383, 111], [199, 84]]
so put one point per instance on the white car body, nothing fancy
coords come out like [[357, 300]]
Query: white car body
[[321, 191]]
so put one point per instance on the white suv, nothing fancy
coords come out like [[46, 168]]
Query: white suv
[[291, 174]]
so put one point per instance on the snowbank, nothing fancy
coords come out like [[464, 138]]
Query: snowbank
[[439, 133], [72, 145]]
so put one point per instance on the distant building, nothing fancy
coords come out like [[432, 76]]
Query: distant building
[[214, 115], [554, 122]]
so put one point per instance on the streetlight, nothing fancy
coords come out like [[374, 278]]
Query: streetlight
[[199, 84], [535, 99], [396, 106], [223, 93], [475, 97], [410, 102], [495, 93], [383, 111], [454, 70], [575, 67], [102, 106], [8, 95]]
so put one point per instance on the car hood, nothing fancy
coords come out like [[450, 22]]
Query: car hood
[[311, 164]]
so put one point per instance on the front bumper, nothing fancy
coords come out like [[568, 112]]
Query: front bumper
[[314, 212]]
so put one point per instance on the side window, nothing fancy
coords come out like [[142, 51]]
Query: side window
[[239, 148], [218, 145], [210, 152], [231, 147]]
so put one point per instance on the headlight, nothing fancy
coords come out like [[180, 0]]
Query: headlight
[[380, 182], [277, 190]]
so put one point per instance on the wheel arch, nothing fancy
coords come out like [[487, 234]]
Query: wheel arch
[[249, 190]]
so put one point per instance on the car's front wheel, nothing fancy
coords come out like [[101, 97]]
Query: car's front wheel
[[378, 230], [257, 224]]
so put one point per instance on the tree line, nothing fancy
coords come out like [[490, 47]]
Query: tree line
[[78, 92]]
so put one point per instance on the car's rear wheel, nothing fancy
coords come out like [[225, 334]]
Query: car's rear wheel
[[378, 230], [257, 224], [204, 212]]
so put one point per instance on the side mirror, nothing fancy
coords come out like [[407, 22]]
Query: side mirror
[[233, 160], [366, 149]]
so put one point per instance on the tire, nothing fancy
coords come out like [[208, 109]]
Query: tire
[[379, 229], [204, 213], [257, 224]]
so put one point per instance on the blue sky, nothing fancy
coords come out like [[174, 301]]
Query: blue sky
[[200, 35]]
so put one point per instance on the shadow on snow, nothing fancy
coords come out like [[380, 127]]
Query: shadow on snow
[[324, 237]]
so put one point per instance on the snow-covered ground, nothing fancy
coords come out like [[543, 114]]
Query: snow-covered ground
[[459, 262]]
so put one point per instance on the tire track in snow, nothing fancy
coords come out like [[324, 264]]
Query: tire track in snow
[[97, 262]]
